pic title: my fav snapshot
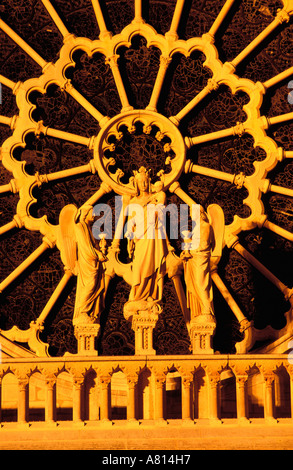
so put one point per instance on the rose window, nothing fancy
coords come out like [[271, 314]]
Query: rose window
[[198, 93]]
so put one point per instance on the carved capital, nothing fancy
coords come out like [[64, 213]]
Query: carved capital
[[51, 382], [160, 135], [241, 380], [214, 379], [283, 16], [239, 129], [40, 179], [160, 381], [147, 129], [212, 85], [78, 382], [165, 60], [269, 379], [187, 380], [104, 381], [112, 60], [132, 381], [239, 180], [40, 129], [23, 383]]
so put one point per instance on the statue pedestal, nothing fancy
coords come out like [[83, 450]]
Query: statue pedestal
[[85, 334], [143, 316], [201, 330]]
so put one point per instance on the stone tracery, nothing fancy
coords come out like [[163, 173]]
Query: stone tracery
[[254, 184]]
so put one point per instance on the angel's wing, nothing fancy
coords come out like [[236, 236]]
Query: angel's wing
[[67, 241], [217, 221]]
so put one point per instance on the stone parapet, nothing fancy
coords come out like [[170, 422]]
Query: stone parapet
[[193, 387]]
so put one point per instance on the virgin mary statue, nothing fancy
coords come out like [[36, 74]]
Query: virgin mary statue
[[147, 243]]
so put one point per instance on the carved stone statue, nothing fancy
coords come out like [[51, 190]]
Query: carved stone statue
[[81, 255], [197, 271], [90, 268], [148, 249], [198, 265]]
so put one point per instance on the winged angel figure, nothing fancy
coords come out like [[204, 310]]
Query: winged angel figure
[[199, 263], [80, 254]]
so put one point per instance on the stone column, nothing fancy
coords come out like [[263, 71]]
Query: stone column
[[213, 397], [113, 62], [159, 397], [104, 403], [176, 19], [0, 399], [164, 63], [269, 401], [241, 382], [186, 397], [93, 401], [50, 401], [77, 402], [195, 397], [22, 400], [131, 399], [291, 393]]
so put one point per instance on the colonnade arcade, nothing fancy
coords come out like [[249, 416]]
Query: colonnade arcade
[[136, 390]]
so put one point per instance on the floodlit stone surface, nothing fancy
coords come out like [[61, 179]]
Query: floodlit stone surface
[[204, 400]]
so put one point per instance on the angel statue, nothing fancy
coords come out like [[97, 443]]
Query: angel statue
[[80, 254], [198, 262], [147, 243]]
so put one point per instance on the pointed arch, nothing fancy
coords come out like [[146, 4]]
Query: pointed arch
[[37, 396], [64, 396], [255, 393], [119, 395], [228, 406], [173, 397], [9, 397]]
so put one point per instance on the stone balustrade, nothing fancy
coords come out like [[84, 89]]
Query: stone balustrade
[[191, 388]]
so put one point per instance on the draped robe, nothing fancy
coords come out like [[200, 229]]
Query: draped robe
[[197, 274], [90, 279], [150, 251]]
